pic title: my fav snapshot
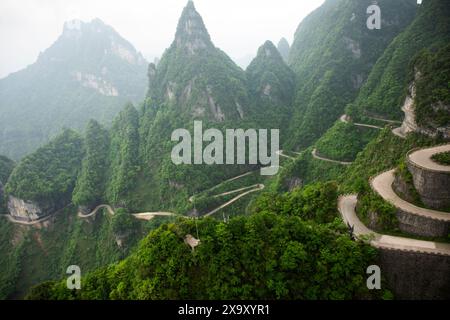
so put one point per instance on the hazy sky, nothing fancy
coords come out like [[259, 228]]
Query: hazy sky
[[238, 27]]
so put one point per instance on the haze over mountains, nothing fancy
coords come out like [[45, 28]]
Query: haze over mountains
[[278, 237]]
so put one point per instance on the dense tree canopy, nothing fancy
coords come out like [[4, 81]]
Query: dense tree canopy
[[90, 186]]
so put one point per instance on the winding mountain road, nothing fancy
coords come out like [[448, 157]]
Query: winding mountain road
[[314, 154], [347, 206], [382, 184], [147, 216]]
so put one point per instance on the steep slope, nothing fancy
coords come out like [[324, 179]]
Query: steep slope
[[271, 86], [196, 78], [43, 181], [384, 93], [89, 72], [6, 167], [284, 48], [427, 105], [332, 55]]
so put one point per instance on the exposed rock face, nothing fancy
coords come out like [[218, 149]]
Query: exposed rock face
[[422, 226], [67, 87], [197, 79], [410, 123], [97, 83], [22, 210], [284, 48]]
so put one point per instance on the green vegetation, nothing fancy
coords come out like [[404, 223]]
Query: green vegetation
[[442, 158], [332, 56], [29, 256], [384, 91], [271, 254], [6, 167], [344, 141], [48, 176], [432, 102], [316, 202], [90, 186], [78, 78], [124, 156], [286, 242], [11, 253], [410, 193]]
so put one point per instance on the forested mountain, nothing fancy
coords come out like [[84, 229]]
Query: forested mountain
[[89, 72], [332, 55], [47, 176]]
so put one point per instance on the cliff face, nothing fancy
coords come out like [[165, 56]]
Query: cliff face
[[2, 195], [22, 210]]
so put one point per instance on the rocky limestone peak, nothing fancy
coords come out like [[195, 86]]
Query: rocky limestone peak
[[191, 32]]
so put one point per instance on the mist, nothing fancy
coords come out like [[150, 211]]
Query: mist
[[28, 27]]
